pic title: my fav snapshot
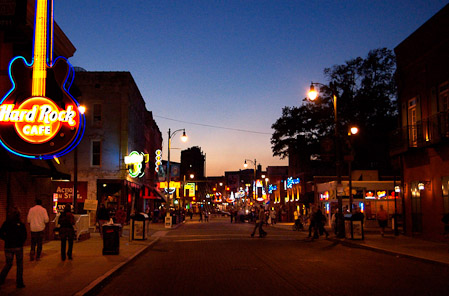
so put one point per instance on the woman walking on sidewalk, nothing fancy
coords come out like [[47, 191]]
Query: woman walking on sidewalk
[[382, 218], [66, 231], [14, 233]]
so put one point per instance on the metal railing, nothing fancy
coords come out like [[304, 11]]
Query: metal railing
[[427, 132]]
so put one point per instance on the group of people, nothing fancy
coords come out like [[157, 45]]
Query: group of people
[[14, 233]]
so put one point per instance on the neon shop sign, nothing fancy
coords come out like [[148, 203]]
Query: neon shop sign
[[136, 163], [39, 118]]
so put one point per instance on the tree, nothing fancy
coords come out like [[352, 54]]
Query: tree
[[366, 94]]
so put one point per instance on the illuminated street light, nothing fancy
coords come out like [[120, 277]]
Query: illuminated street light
[[313, 94], [184, 139]]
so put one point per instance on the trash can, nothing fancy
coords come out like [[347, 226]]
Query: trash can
[[139, 226], [354, 226], [111, 239]]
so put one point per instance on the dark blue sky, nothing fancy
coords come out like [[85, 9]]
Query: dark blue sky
[[231, 64]]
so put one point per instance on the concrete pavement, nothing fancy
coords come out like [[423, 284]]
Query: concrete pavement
[[436, 252], [89, 268]]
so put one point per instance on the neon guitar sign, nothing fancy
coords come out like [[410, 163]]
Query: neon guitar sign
[[38, 117]]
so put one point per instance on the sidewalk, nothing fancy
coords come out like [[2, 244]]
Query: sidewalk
[[51, 276], [401, 245]]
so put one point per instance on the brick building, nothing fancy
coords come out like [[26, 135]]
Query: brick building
[[421, 144]]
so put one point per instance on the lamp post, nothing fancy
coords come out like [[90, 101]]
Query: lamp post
[[184, 139], [353, 130], [255, 168], [313, 94], [82, 110]]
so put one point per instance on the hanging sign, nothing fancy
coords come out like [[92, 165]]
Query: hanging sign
[[136, 163], [39, 118]]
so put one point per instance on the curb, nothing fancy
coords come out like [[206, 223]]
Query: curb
[[349, 243], [102, 279]]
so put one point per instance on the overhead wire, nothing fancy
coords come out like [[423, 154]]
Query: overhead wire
[[213, 126]]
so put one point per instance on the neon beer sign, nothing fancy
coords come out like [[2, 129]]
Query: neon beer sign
[[136, 162], [39, 118]]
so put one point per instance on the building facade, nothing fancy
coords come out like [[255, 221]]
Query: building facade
[[23, 180], [421, 144], [116, 156]]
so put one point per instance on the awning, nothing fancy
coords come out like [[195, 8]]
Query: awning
[[153, 194]]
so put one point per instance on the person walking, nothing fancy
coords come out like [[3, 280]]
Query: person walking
[[320, 220], [382, 219], [206, 216], [201, 216], [66, 232], [273, 217], [259, 223], [14, 233], [37, 218], [312, 223]]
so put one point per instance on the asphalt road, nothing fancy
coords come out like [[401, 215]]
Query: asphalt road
[[219, 258]]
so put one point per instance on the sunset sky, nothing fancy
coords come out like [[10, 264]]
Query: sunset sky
[[223, 70]]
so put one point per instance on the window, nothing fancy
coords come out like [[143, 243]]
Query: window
[[412, 128], [444, 96], [97, 115], [96, 153], [445, 188]]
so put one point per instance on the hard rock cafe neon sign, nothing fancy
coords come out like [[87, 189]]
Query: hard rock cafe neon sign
[[39, 118]]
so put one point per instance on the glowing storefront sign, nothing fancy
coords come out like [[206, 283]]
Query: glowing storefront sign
[[324, 196], [38, 117], [369, 195], [158, 161], [191, 187], [291, 182], [136, 162], [272, 188], [381, 193], [231, 199]]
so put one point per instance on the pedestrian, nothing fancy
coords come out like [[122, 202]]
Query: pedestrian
[[231, 214], [382, 219], [14, 233], [66, 231], [320, 220], [102, 217], [206, 216], [445, 221], [37, 218], [273, 216], [298, 224], [120, 216], [201, 216], [312, 223], [259, 223]]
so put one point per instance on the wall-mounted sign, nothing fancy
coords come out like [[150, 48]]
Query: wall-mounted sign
[[191, 188], [290, 182], [136, 163], [63, 191], [38, 116], [158, 162]]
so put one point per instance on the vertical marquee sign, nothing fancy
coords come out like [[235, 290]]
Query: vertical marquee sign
[[38, 117]]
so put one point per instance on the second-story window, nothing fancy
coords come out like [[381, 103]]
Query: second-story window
[[97, 115], [443, 94], [412, 128], [96, 153]]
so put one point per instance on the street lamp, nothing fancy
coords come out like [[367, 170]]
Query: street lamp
[[313, 94], [353, 130], [184, 139], [255, 168], [82, 110]]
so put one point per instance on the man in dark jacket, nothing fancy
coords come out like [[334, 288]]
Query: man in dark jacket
[[14, 233]]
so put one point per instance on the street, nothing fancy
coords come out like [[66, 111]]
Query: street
[[220, 258]]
